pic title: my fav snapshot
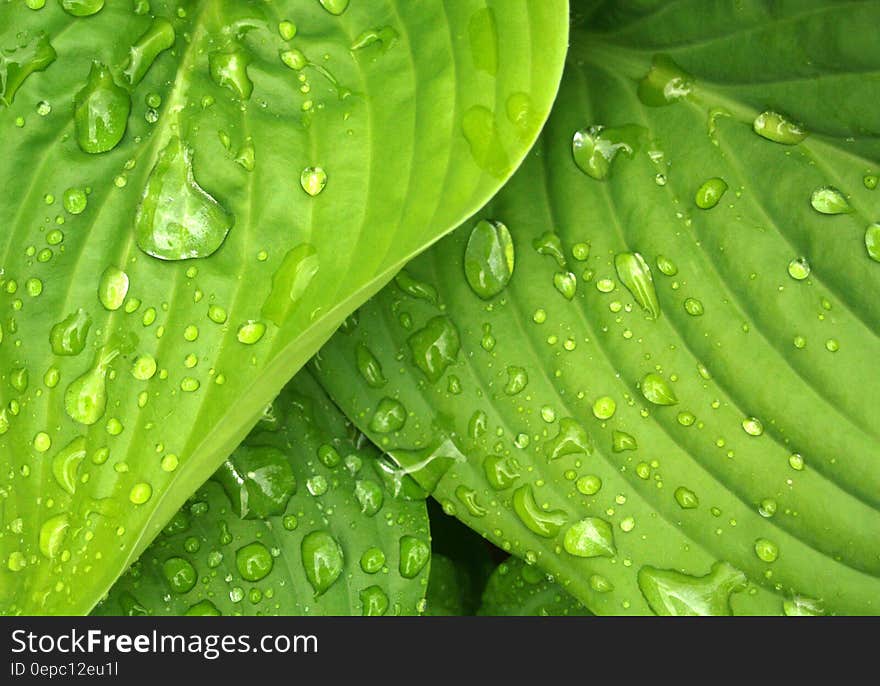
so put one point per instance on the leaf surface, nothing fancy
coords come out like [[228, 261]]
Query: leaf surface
[[517, 590], [298, 521], [196, 194], [671, 406]]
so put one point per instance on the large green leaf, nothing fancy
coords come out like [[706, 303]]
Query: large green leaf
[[303, 151], [298, 521], [669, 408], [516, 589]]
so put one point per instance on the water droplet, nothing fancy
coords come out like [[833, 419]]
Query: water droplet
[[113, 288], [635, 274], [372, 560], [414, 555], [370, 496], [294, 59], [65, 464], [52, 535], [590, 537], [290, 282], [287, 29], [710, 193], [671, 593], [144, 367], [694, 307], [75, 200], [501, 472], [313, 180], [229, 70], [336, 7], [180, 574], [752, 426], [517, 380], [486, 145], [621, 441], [774, 127], [86, 398], [872, 241], [154, 41], [19, 63], [258, 480], [595, 149], [665, 83], [177, 219], [101, 112], [251, 332], [871, 181], [572, 439], [489, 258], [802, 607], [829, 200], [383, 37], [82, 8], [566, 284], [390, 416], [686, 498], [253, 561], [799, 268], [322, 560], [544, 523], [658, 390], [766, 550], [435, 347], [604, 407], [140, 493], [666, 266], [369, 367]]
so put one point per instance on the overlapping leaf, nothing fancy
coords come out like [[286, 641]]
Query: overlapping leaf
[[672, 405], [303, 154], [298, 521], [517, 590]]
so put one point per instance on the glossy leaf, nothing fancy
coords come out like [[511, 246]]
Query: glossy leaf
[[516, 589], [717, 457], [297, 169], [327, 487]]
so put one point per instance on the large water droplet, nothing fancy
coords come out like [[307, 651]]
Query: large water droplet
[[774, 127], [414, 555], [657, 390], [113, 288], [290, 282], [489, 258], [254, 561], [155, 40], [66, 464], [336, 7], [180, 574], [82, 8], [665, 83], [545, 523], [177, 219], [829, 200], [18, 63], [86, 398], [635, 274], [572, 439], [369, 367], [322, 560], [671, 593], [52, 535], [101, 112], [258, 480], [595, 149], [313, 180], [590, 537], [435, 347], [229, 70], [68, 337], [710, 193]]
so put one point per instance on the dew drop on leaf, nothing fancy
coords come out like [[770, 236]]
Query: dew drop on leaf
[[101, 112], [872, 241], [829, 200], [710, 193], [253, 561], [52, 535], [180, 574], [544, 523], [665, 83], [589, 537], [777, 128], [155, 40], [336, 7], [671, 593], [177, 219], [799, 268], [113, 288], [66, 462], [322, 560], [634, 273], [82, 8], [657, 390], [489, 258], [313, 180], [16, 64], [229, 70], [290, 282], [414, 555]]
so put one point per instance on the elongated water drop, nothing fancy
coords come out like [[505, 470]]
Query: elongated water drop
[[671, 593], [66, 464], [82, 8], [657, 390], [229, 70], [177, 219], [872, 241], [635, 274], [290, 282], [369, 367], [435, 347], [18, 63], [665, 83], [710, 193], [154, 41], [489, 258], [86, 398], [414, 555], [594, 149], [774, 127], [384, 37], [829, 200], [322, 560], [545, 523], [68, 337], [101, 112], [113, 288], [52, 534], [336, 7]]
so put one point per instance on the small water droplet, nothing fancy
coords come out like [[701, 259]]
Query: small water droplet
[[777, 128], [101, 111], [313, 180]]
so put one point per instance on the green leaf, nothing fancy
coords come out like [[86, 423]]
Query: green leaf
[[718, 457], [516, 589], [303, 482], [298, 156]]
